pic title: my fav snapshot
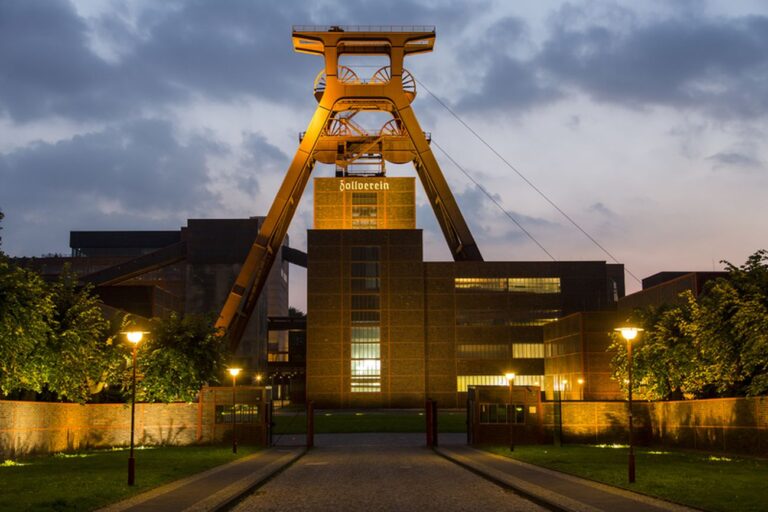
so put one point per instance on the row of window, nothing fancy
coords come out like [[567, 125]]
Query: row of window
[[509, 284], [463, 381], [500, 351], [529, 318]]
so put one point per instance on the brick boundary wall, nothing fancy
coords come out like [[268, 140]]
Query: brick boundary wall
[[50, 427], [736, 425]]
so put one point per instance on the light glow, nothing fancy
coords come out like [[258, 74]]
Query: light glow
[[134, 336], [234, 371], [628, 333]]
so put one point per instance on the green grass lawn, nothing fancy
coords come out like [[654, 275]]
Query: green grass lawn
[[89, 480], [347, 421], [709, 482]]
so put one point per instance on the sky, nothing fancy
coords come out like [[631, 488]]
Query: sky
[[644, 122]]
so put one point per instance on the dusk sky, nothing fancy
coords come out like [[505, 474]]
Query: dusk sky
[[645, 122]]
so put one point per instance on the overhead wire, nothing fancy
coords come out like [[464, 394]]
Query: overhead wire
[[524, 178], [482, 188]]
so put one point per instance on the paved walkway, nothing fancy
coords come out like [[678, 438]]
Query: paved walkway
[[385, 472], [213, 489], [380, 473], [553, 489]]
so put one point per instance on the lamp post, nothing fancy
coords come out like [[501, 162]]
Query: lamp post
[[629, 334], [234, 372], [134, 337], [560, 385], [580, 382], [510, 376]]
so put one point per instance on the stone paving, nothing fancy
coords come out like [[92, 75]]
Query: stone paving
[[384, 472]]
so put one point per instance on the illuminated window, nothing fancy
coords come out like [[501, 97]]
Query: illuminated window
[[529, 380], [365, 333], [534, 284], [481, 284], [482, 351], [463, 381], [528, 350], [512, 284], [365, 212]]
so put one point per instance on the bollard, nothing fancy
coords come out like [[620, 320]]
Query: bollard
[[310, 424]]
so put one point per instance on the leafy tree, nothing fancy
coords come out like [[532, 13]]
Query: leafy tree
[[178, 357], [80, 357], [26, 315], [707, 346]]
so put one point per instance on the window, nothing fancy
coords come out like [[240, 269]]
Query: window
[[365, 333], [365, 317], [482, 351], [365, 269], [365, 302], [463, 381], [541, 285], [534, 285], [365, 211], [481, 284], [528, 350]]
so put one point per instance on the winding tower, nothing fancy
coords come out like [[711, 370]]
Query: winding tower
[[333, 137]]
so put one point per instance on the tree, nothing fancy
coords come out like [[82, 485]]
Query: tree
[[713, 345], [179, 356], [26, 315], [80, 357]]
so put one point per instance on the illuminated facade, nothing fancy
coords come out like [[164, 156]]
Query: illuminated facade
[[365, 203], [387, 329]]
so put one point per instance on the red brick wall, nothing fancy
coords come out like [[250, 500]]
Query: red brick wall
[[724, 424], [42, 427]]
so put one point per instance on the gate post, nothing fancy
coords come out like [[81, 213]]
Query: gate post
[[310, 424], [434, 422]]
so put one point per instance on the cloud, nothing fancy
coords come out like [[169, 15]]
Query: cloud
[[710, 64], [218, 50], [600, 209], [137, 169], [735, 160]]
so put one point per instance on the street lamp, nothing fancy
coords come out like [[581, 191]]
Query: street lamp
[[629, 334], [580, 381], [234, 372], [134, 337], [510, 376]]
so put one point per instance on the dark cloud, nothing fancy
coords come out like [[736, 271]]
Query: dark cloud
[[220, 50], [734, 159], [259, 156], [138, 167], [715, 65]]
